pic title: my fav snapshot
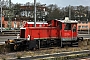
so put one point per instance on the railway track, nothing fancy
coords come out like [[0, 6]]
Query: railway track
[[64, 54], [61, 56]]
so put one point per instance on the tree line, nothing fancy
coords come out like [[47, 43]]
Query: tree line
[[75, 12], [55, 12]]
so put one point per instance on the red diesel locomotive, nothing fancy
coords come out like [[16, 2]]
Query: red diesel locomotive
[[56, 32], [53, 33]]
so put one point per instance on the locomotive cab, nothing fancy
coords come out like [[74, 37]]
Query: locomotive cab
[[68, 31]]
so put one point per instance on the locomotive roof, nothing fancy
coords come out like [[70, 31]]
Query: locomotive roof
[[37, 23], [68, 21]]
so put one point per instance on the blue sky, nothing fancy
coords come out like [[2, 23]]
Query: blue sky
[[60, 3]]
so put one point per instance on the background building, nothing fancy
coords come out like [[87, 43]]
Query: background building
[[83, 25]]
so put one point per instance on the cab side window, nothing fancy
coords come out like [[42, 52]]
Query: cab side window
[[59, 25], [67, 26], [74, 28]]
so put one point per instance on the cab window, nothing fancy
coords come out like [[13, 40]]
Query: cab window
[[74, 28], [67, 26], [60, 25]]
